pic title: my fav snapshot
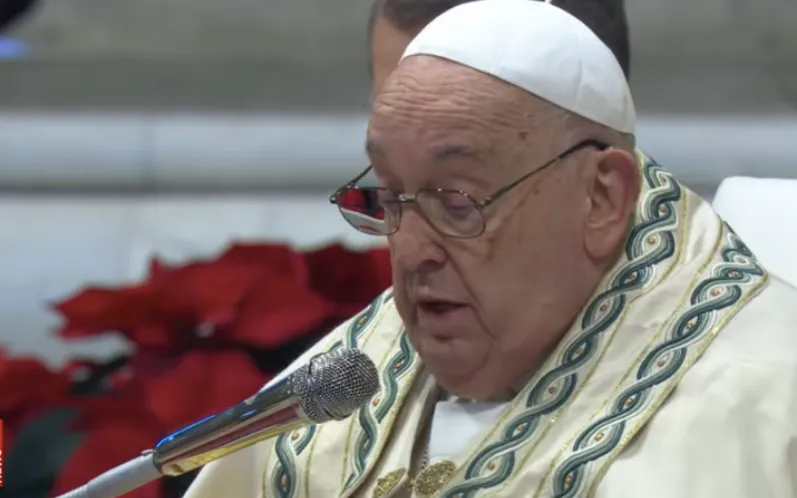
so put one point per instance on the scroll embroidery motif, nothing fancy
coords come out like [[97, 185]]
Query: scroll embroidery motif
[[733, 279], [289, 446], [371, 416]]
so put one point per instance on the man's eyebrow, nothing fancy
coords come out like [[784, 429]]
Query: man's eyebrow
[[455, 151], [441, 152]]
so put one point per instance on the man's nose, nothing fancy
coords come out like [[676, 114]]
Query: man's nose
[[416, 246]]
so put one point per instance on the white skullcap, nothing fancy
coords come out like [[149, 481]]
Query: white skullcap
[[538, 47]]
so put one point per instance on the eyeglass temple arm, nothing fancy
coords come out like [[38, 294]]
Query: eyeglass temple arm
[[580, 145], [497, 195], [333, 199]]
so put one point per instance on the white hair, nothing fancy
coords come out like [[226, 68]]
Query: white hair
[[580, 128]]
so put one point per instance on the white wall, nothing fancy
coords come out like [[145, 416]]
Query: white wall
[[52, 246], [151, 152]]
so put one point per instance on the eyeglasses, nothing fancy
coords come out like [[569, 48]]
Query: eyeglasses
[[453, 213]]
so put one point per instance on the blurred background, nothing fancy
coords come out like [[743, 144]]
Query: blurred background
[[129, 128]]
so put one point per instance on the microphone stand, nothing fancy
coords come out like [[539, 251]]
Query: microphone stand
[[330, 387], [270, 412]]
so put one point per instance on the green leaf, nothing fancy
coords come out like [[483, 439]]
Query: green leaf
[[39, 452]]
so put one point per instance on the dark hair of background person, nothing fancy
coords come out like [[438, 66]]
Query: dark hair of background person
[[12, 11], [606, 18]]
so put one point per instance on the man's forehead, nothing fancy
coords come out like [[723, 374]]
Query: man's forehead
[[438, 135], [429, 76], [451, 111]]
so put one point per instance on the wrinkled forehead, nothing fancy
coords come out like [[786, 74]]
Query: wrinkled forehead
[[431, 110]]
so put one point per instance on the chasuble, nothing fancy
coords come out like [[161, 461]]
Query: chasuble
[[678, 379]]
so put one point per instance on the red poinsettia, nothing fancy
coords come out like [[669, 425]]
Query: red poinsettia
[[197, 329], [348, 279], [200, 384], [256, 294], [118, 426]]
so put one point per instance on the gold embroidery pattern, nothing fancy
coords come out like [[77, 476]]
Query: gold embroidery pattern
[[386, 484], [434, 478], [734, 279], [370, 417]]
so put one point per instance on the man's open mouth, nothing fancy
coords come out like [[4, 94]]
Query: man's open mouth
[[437, 307]]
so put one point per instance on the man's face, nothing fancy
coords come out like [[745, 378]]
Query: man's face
[[480, 311], [387, 45]]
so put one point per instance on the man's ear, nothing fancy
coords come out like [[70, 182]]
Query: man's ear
[[613, 197]]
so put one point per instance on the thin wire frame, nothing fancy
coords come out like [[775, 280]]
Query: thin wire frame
[[453, 213]]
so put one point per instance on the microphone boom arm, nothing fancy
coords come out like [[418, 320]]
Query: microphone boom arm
[[119, 480], [270, 412], [330, 387]]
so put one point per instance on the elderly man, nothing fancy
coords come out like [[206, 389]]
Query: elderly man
[[567, 320]]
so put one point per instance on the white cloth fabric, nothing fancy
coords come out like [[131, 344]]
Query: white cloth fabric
[[761, 210], [457, 426], [539, 48], [730, 428]]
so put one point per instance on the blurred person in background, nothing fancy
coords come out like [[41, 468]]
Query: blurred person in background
[[602, 333], [392, 24], [11, 13]]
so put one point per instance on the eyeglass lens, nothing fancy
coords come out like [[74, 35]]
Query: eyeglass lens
[[377, 211]]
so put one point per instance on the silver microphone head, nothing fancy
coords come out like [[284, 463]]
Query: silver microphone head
[[333, 385]]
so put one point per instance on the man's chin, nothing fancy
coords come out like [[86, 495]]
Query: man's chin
[[456, 381], [465, 389]]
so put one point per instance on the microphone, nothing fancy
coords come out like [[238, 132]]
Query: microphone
[[330, 386]]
